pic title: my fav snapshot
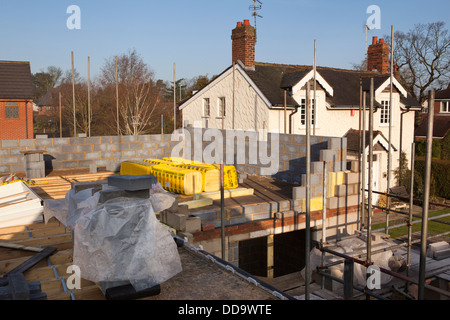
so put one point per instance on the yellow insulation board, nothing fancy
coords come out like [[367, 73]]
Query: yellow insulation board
[[178, 180], [229, 172], [135, 168]]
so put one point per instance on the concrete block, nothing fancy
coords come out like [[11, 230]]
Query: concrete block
[[299, 192], [193, 224], [133, 183], [351, 177], [183, 209], [435, 247], [316, 167], [176, 221], [316, 179], [442, 254], [328, 155], [92, 168], [251, 209], [354, 166], [341, 190]]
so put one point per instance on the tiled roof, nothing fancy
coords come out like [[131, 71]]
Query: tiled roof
[[273, 78], [441, 127], [15, 80]]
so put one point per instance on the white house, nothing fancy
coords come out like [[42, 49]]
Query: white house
[[250, 95]]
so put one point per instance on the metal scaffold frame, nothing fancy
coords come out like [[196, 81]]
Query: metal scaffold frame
[[324, 244]]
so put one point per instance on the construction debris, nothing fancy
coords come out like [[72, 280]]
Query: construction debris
[[19, 205]]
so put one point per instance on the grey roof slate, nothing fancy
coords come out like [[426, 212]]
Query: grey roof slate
[[15, 80]]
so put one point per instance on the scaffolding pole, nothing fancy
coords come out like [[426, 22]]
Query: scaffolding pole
[[389, 164], [308, 191], [426, 195], [324, 214], [411, 204], [363, 162]]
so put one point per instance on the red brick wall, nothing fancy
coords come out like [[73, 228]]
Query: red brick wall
[[244, 40], [19, 128], [378, 56]]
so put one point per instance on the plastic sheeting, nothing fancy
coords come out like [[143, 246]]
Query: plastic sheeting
[[119, 240], [122, 240], [353, 247]]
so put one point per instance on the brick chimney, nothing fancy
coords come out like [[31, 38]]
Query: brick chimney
[[378, 56], [244, 40]]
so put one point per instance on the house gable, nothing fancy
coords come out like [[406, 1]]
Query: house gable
[[238, 67], [310, 76]]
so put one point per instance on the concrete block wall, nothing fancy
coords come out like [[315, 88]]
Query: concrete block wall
[[71, 153]]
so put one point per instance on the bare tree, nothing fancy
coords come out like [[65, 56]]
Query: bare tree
[[138, 92], [423, 57]]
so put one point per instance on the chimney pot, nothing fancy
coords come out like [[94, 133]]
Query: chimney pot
[[246, 22], [381, 41], [239, 24], [374, 40]]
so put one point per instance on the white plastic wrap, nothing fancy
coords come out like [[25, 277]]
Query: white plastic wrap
[[120, 240], [123, 240]]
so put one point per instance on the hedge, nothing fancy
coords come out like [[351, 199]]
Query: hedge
[[440, 178]]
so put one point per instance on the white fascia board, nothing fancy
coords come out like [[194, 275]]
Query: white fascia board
[[394, 83], [310, 76], [228, 72], [384, 143]]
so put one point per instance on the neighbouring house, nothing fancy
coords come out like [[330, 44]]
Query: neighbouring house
[[441, 123], [251, 95], [16, 100], [49, 103]]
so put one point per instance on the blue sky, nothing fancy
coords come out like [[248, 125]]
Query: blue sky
[[196, 34]]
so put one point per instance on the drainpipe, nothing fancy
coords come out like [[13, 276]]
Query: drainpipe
[[26, 119]]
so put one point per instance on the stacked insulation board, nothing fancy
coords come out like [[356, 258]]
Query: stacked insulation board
[[183, 176], [230, 179]]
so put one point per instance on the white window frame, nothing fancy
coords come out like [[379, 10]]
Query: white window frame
[[221, 106], [384, 112], [206, 102], [445, 106], [303, 112]]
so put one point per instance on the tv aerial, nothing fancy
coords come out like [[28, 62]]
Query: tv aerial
[[257, 5]]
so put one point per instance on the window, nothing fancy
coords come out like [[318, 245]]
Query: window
[[222, 107], [206, 107], [303, 112], [445, 106], [384, 115], [12, 112]]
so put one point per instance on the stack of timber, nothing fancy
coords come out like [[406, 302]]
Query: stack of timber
[[56, 187]]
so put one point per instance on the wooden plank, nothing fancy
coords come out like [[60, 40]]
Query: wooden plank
[[19, 247], [232, 193], [197, 203]]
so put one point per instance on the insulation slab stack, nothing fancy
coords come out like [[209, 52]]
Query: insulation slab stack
[[183, 176], [230, 174]]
